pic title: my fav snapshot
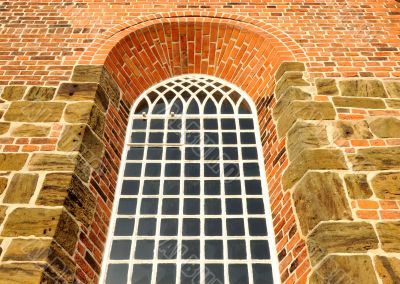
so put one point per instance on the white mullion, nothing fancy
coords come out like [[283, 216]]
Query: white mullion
[[201, 197]]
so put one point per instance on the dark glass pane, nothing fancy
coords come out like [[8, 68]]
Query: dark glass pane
[[172, 170], [139, 124], [246, 123], [192, 187], [191, 227], [130, 187], [211, 170], [236, 249], [149, 206], [153, 170], [192, 153], [191, 206], [231, 170], [228, 123], [212, 206], [124, 227], [141, 273], [147, 226], [120, 249], [132, 170], [229, 138], [212, 187], [169, 227], [192, 170], [214, 249], [235, 227], [190, 249], [193, 107], [253, 187], [262, 274], [142, 107], [167, 249], [174, 137], [117, 274], [232, 187], [193, 124], [249, 153], [177, 106], [156, 137], [138, 137], [255, 206], [127, 206], [259, 249], [238, 274], [214, 273], [230, 153], [257, 227], [151, 187], [174, 124], [244, 108], [210, 108], [166, 274], [157, 124], [234, 206], [171, 187], [154, 153], [170, 206], [173, 153], [211, 153], [213, 227], [251, 169], [190, 273], [211, 124], [226, 107], [247, 138], [135, 154], [144, 249], [211, 138], [192, 138], [159, 107]]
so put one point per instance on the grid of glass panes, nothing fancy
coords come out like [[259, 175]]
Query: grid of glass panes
[[191, 206]]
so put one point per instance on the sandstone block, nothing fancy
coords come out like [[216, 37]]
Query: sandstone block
[[320, 197], [393, 103], [22, 273], [87, 73], [359, 102], [389, 233], [312, 159], [387, 185], [343, 269], [40, 222], [303, 136], [388, 269], [86, 113], [289, 79], [13, 93], [386, 127], [4, 126], [34, 111], [21, 188], [31, 130], [326, 87], [307, 110], [362, 88], [12, 161], [393, 88], [3, 184], [3, 210], [352, 130], [68, 190], [340, 237], [357, 186], [376, 158], [289, 66], [291, 94], [52, 162], [40, 94]]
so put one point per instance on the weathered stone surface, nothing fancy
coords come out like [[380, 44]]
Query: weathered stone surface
[[83, 168], [357, 186], [308, 110], [45, 250], [3, 184], [31, 130], [12, 161], [389, 233], [312, 159], [84, 112], [68, 190], [351, 130], [34, 111], [362, 88], [291, 94], [388, 269], [340, 237], [393, 88], [320, 197], [359, 102], [41, 222], [22, 273], [83, 92], [326, 87], [13, 93], [386, 127], [344, 269], [40, 94], [387, 185], [4, 126], [110, 87], [289, 79], [79, 137], [393, 103], [87, 73], [21, 188], [289, 66], [3, 210], [303, 136], [52, 162], [376, 158]]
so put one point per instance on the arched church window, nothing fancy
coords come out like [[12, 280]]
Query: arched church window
[[191, 204]]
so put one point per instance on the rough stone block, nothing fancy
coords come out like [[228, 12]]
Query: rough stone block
[[4, 126], [387, 185], [307, 110], [362, 88], [34, 111], [388, 269], [393, 103], [22, 273], [13, 93], [87, 73], [326, 87], [291, 94], [376, 158], [320, 197], [393, 88], [386, 127], [343, 269], [312, 159], [21, 188], [340, 237], [357, 186], [68, 190], [389, 233], [303, 136], [3, 210], [3, 184], [351, 130], [359, 102], [88, 113], [289, 79], [31, 130], [40, 94], [289, 66], [53, 162], [40, 222], [12, 161]]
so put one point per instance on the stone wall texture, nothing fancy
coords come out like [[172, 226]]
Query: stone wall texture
[[323, 74]]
